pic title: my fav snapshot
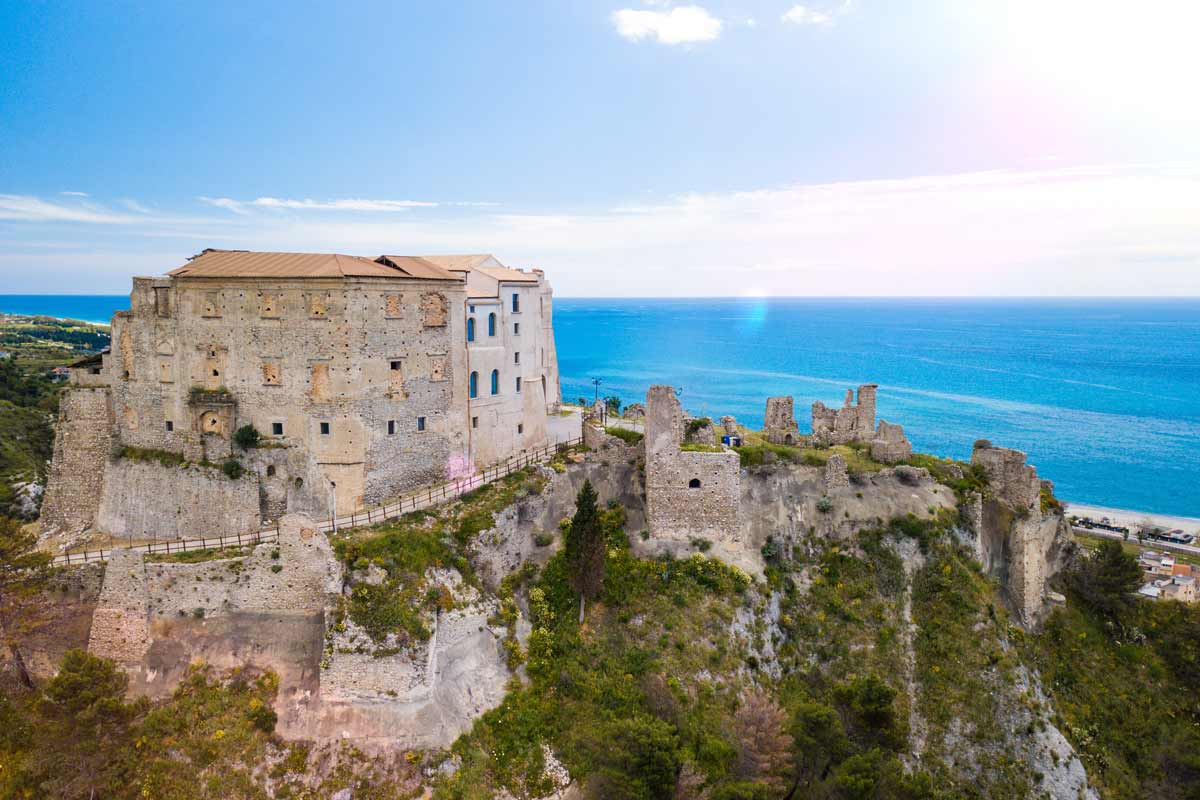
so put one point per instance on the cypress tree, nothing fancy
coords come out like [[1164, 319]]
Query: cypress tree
[[584, 547]]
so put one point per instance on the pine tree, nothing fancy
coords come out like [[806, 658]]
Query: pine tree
[[764, 747], [1106, 581], [23, 575], [584, 547]]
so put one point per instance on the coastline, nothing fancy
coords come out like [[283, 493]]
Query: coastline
[[1126, 517]]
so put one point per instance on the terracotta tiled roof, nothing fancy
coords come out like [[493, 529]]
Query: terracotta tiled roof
[[247, 264], [509, 275], [459, 263], [417, 267]]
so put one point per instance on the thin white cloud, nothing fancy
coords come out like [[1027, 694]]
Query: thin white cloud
[[135, 206], [1110, 229], [26, 208], [74, 194], [308, 204], [803, 15], [680, 25]]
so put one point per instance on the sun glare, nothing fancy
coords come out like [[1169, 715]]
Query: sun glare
[[1128, 58]]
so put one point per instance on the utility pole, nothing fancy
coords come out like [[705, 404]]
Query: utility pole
[[596, 383]]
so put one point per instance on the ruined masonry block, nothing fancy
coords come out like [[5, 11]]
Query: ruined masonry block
[[688, 493], [890, 446], [780, 421], [120, 624]]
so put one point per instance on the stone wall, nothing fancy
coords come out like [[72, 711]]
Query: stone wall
[[780, 421], [148, 500], [688, 493], [1015, 541], [121, 623], [1009, 477], [890, 446], [853, 422], [83, 443]]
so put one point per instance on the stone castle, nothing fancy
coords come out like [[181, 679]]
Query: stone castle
[[364, 377]]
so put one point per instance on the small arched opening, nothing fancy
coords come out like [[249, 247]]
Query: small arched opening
[[473, 384], [789, 439], [694, 483], [491, 324], [495, 381], [470, 329], [270, 470]]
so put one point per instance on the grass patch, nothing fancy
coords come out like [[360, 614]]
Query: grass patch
[[626, 435], [696, 447], [198, 556]]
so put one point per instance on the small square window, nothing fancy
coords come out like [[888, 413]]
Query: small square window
[[420, 423], [277, 429], [472, 309], [520, 427], [516, 358], [391, 427], [324, 428], [516, 328], [170, 425], [474, 422], [396, 365]]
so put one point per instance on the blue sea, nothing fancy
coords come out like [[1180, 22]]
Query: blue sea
[[1104, 395]]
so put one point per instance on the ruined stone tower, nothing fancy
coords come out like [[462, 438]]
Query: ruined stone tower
[[688, 492]]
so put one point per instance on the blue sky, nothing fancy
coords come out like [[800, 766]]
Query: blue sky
[[627, 147]]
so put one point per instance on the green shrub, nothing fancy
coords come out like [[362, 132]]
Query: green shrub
[[246, 437], [825, 505], [232, 469]]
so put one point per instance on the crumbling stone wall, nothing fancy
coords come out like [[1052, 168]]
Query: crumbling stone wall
[[890, 446], [850, 423], [83, 442], [1009, 477], [1014, 539], [121, 624], [780, 422], [147, 500], [688, 493]]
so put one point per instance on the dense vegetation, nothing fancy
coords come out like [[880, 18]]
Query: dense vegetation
[[880, 667]]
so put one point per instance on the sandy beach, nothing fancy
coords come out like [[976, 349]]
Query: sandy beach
[[1122, 517]]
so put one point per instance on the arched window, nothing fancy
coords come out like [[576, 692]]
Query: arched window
[[694, 483], [474, 384], [491, 324], [495, 381], [470, 329]]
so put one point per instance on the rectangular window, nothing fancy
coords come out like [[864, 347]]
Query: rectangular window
[[520, 428], [516, 328], [170, 425], [516, 305], [472, 309], [474, 422], [396, 365], [277, 429], [420, 423], [324, 428], [391, 427], [518, 384], [516, 358]]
